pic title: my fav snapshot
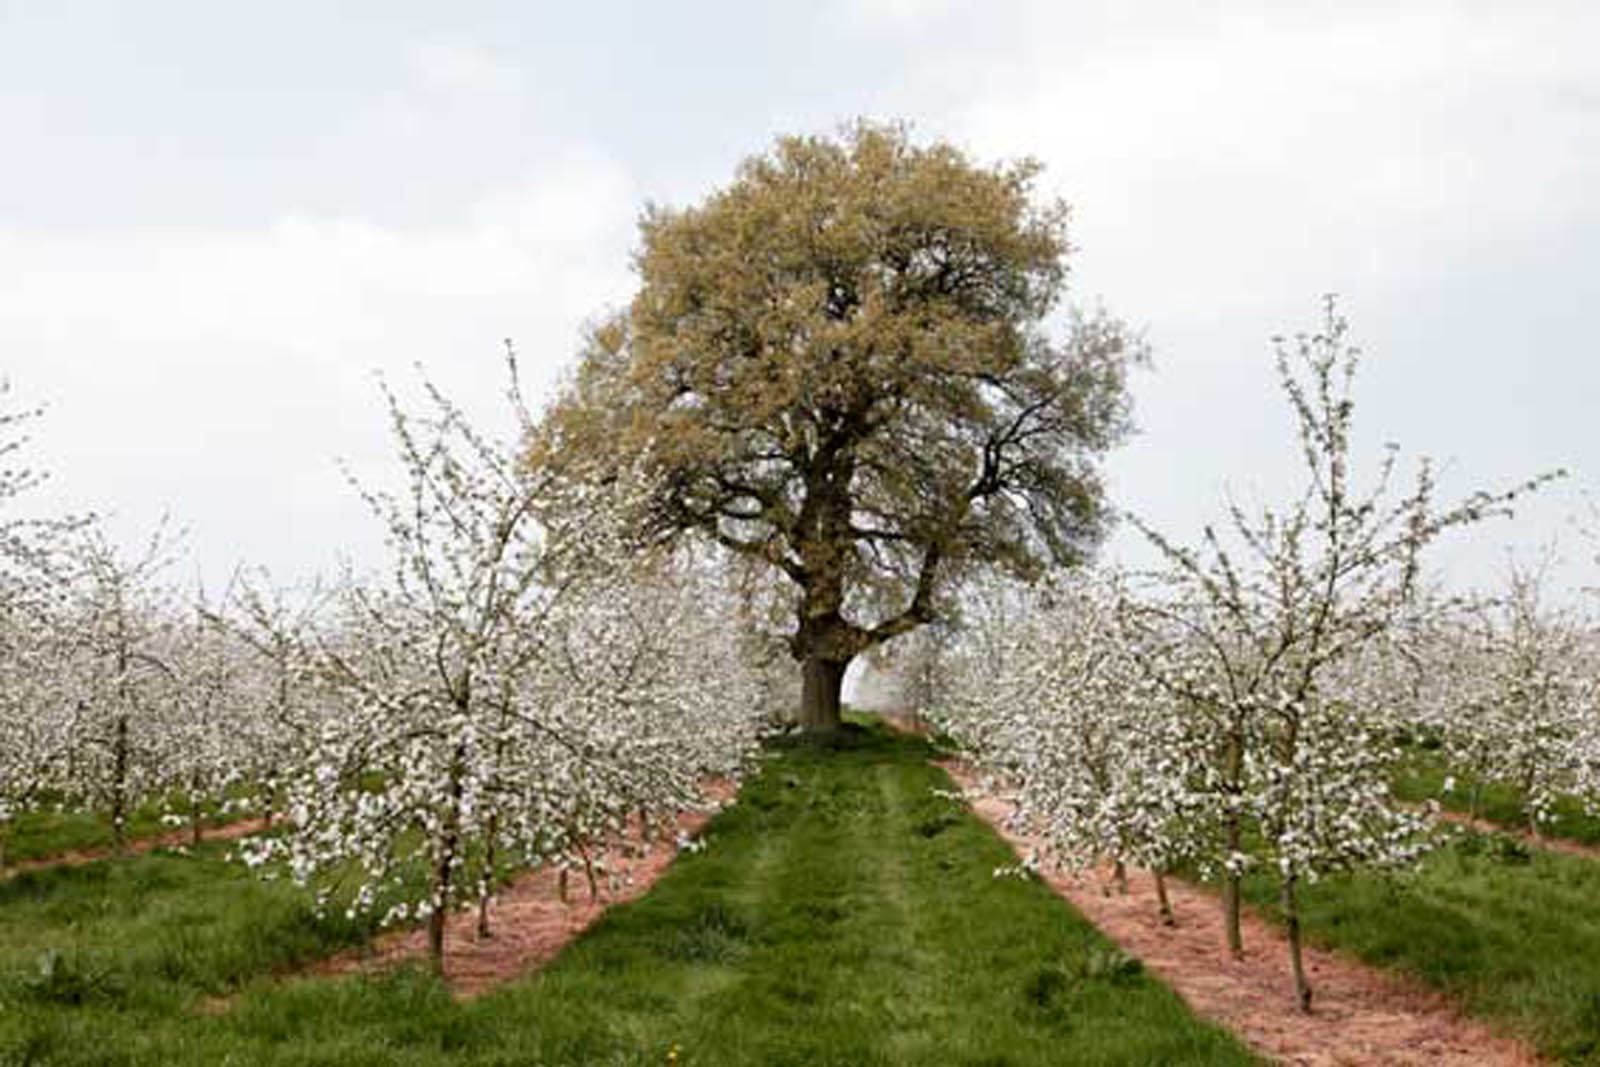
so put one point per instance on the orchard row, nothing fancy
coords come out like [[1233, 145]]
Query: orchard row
[[1248, 706], [521, 685]]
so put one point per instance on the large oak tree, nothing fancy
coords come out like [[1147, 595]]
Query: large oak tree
[[841, 367]]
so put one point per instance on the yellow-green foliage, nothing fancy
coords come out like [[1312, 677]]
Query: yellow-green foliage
[[838, 367]]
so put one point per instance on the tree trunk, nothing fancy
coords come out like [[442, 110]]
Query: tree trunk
[[119, 787], [443, 871], [1230, 914], [1291, 922], [486, 876], [445, 862], [820, 693], [1162, 900], [1234, 839], [1527, 805]]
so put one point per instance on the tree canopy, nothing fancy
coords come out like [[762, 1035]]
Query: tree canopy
[[839, 367]]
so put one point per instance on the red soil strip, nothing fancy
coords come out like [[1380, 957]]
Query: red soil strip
[[138, 846], [1362, 1015], [528, 920]]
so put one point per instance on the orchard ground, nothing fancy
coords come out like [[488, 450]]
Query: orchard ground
[[844, 911]]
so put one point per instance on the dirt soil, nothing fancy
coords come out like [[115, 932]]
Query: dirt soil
[[528, 920], [138, 846], [1361, 1015]]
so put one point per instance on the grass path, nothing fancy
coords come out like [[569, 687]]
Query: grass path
[[1495, 927], [1513, 935], [842, 914], [1500, 806]]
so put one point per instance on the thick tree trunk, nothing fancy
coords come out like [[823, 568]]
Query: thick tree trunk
[[823, 682]]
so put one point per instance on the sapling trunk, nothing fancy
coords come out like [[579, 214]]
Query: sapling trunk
[[445, 862], [1528, 806], [1291, 922], [443, 871], [1119, 875], [486, 876], [119, 786], [1230, 914], [1233, 838], [1162, 900]]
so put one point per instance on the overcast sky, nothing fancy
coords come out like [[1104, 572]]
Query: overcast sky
[[217, 221]]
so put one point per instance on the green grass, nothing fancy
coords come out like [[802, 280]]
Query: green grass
[[43, 833], [1423, 779], [842, 914], [90, 952], [1511, 932]]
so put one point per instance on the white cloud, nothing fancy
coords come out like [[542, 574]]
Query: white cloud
[[458, 66], [220, 374], [1271, 151], [897, 12], [1229, 164]]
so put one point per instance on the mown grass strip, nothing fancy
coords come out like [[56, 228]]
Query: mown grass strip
[[1424, 778], [842, 914], [1513, 933], [41, 834]]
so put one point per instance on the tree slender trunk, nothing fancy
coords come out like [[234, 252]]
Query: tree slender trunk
[[1291, 922], [1233, 838], [1162, 900], [823, 683], [119, 787], [588, 872], [486, 876], [1527, 804], [445, 863]]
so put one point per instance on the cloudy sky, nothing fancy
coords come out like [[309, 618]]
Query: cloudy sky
[[218, 221]]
